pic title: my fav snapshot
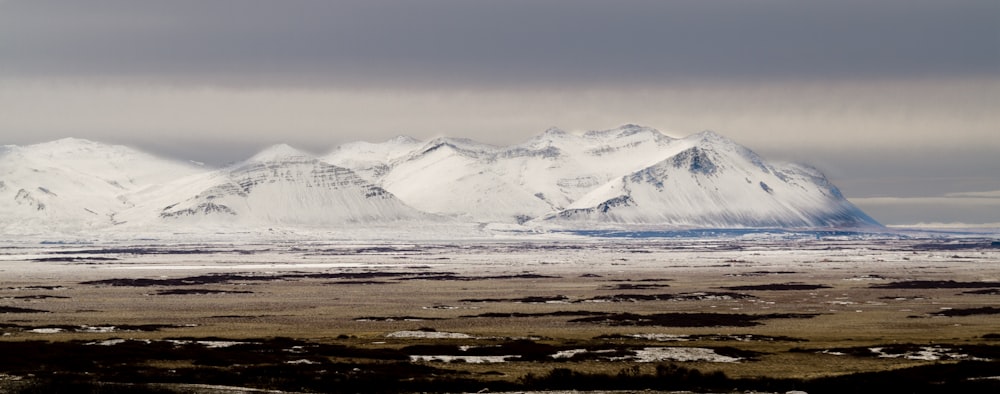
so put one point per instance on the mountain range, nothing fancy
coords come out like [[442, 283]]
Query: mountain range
[[631, 176]]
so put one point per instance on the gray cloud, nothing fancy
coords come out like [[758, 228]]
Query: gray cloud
[[896, 100], [932, 210], [476, 43]]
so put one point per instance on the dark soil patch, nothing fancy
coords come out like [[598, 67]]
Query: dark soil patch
[[237, 278], [986, 310], [394, 318], [456, 277], [386, 249], [360, 282], [983, 292], [778, 286], [523, 300], [362, 275], [200, 292], [72, 259], [762, 273], [936, 284], [186, 281], [712, 337], [637, 286], [540, 314], [689, 319], [670, 297], [14, 309], [38, 297]]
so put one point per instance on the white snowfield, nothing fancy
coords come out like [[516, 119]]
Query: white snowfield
[[628, 176]]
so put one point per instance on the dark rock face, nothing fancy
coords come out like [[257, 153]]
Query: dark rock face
[[696, 160]]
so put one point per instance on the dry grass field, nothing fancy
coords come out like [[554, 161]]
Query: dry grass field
[[704, 315]]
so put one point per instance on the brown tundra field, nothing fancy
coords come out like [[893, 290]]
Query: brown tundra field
[[821, 314]]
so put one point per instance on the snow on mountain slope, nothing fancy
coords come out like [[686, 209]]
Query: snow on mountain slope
[[630, 175], [714, 182], [484, 183], [562, 167], [74, 183], [371, 161], [457, 178], [279, 186]]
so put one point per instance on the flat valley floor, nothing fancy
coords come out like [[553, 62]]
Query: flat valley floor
[[719, 315]]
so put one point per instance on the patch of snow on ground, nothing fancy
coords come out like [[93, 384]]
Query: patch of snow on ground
[[208, 344], [467, 359], [102, 329], [572, 352], [662, 337], [109, 342], [428, 335], [46, 330], [301, 361], [865, 277], [926, 353], [655, 354]]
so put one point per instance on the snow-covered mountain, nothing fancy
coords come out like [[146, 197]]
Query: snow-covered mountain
[[371, 160], [627, 176], [713, 182], [513, 184], [75, 184], [280, 186]]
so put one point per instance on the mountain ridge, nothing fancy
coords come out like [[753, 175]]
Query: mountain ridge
[[717, 183], [627, 176]]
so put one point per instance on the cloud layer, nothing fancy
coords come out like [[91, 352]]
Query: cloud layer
[[486, 43], [892, 98]]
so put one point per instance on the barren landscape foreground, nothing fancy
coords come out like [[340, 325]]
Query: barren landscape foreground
[[768, 314]]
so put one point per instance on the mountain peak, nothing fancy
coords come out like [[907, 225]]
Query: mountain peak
[[70, 141], [709, 136], [279, 152], [712, 141], [552, 135], [554, 131], [625, 131], [68, 145], [464, 146], [403, 140], [80, 150], [631, 128]]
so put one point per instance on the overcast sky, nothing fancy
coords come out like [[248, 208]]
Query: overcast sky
[[898, 101]]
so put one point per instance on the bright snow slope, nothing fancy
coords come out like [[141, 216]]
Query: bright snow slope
[[75, 184], [485, 183], [715, 183], [280, 186], [628, 176]]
